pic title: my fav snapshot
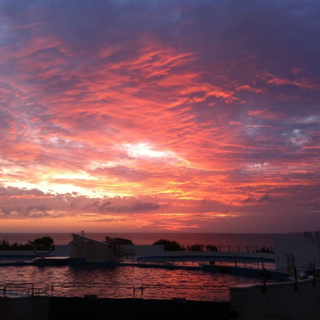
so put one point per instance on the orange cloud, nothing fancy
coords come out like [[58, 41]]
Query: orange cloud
[[148, 121]]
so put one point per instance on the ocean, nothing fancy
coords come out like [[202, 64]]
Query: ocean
[[133, 281], [224, 241]]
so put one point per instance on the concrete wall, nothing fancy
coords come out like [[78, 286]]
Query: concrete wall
[[145, 250], [59, 250], [136, 309], [280, 301], [64, 250], [30, 308], [233, 257], [305, 251], [20, 253], [138, 250]]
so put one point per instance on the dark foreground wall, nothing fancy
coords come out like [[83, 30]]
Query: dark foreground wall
[[120, 309]]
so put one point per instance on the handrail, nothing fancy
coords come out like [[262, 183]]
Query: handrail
[[42, 253], [58, 287], [23, 289], [126, 289]]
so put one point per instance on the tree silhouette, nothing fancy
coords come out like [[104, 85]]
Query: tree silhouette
[[169, 245], [43, 243]]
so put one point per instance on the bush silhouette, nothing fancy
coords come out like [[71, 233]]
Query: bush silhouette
[[210, 247], [195, 247], [43, 243], [169, 245]]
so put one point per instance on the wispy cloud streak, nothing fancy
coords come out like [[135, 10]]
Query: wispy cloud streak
[[129, 114]]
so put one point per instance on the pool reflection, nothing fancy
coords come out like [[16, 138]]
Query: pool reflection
[[126, 282]]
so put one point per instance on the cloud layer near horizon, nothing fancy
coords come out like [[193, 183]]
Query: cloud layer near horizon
[[160, 115]]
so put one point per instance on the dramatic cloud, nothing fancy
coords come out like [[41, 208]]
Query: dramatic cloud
[[127, 115]]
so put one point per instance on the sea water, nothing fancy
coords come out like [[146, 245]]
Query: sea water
[[221, 240]]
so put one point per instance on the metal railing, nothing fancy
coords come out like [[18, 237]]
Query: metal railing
[[14, 290], [113, 290], [130, 290], [235, 248], [15, 261]]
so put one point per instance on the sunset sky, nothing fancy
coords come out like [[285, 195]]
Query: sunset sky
[[159, 116]]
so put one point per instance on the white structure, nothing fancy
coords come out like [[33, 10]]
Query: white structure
[[92, 250], [301, 252], [108, 251], [140, 250], [296, 299], [286, 300]]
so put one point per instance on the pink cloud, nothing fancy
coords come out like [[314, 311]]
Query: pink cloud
[[154, 108]]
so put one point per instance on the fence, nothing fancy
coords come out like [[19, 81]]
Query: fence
[[94, 290], [234, 248], [14, 290]]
